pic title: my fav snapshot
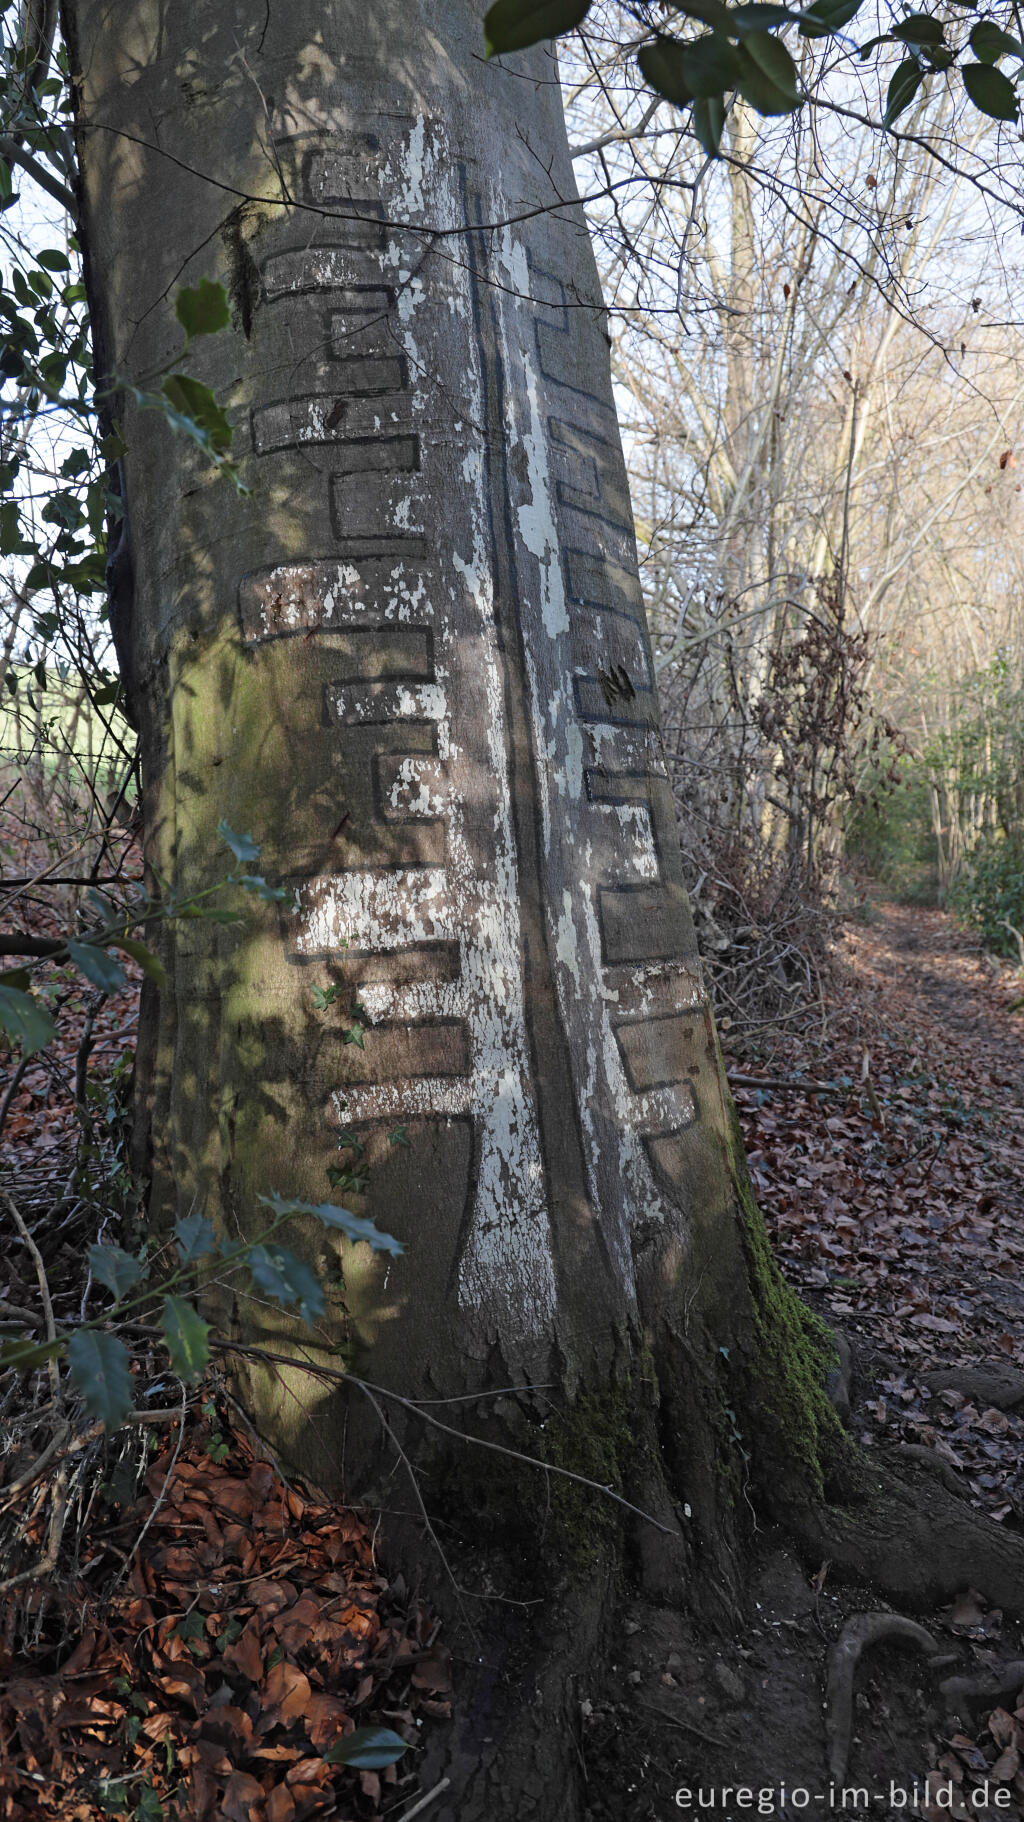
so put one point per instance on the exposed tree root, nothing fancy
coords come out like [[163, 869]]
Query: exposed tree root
[[1002, 1386], [863, 1630], [987, 1687], [918, 1543], [935, 1464]]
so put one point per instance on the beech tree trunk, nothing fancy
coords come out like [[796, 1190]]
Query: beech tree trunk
[[413, 663]]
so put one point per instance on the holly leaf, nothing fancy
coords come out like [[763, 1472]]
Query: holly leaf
[[99, 1367], [204, 310], [278, 1273], [242, 846], [115, 1268], [194, 410], [194, 1236], [513, 25], [368, 1749], [354, 1227], [97, 966], [24, 1020], [991, 92], [185, 1333]]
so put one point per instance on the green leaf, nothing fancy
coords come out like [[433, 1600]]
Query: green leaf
[[13, 542], [242, 846], [195, 1237], [759, 16], [711, 12], [663, 67], [99, 1365], [97, 966], [185, 1333], [25, 1020], [280, 1275], [767, 75], [115, 1268], [991, 92], [918, 28], [989, 42], [196, 411], [272, 895], [150, 964], [712, 64], [23, 1356], [368, 1749], [902, 89], [709, 123], [355, 1227], [513, 25], [202, 311]]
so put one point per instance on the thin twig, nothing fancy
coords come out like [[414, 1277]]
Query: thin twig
[[418, 1808], [409, 1404], [44, 1287], [161, 1496]]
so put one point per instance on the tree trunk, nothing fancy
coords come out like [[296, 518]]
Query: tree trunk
[[413, 663]]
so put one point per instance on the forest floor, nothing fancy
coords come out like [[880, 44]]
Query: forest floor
[[896, 1206], [228, 1664]]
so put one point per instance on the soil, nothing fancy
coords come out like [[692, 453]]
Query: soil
[[900, 1216]]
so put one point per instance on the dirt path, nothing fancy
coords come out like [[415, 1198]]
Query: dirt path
[[898, 1207]]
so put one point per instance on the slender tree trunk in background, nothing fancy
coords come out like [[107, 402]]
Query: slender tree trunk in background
[[414, 664]]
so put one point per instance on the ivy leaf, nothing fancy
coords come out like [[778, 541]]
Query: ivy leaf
[[368, 1749], [513, 25], [767, 75], [242, 846], [25, 1020], [115, 1268], [902, 89], [355, 1227], [195, 1237], [97, 966], [99, 1367], [278, 1273], [709, 123], [185, 1333], [202, 311], [991, 92]]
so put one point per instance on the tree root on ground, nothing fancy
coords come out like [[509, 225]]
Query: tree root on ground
[[987, 1686], [917, 1543], [1002, 1386], [863, 1630]]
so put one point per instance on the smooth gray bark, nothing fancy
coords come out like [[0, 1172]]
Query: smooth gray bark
[[414, 664]]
